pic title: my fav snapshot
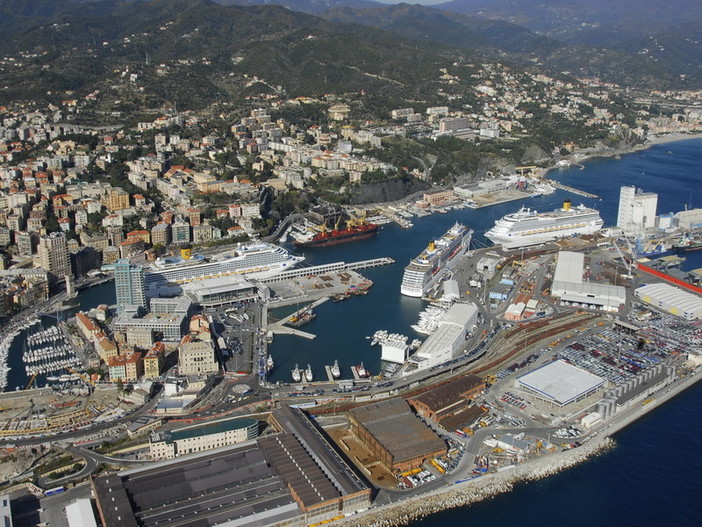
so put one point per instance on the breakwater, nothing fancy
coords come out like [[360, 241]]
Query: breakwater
[[485, 487], [475, 490]]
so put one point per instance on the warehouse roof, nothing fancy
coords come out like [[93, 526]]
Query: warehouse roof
[[561, 382], [669, 297], [397, 429], [447, 394], [461, 314], [238, 484], [300, 472], [295, 422], [569, 267]]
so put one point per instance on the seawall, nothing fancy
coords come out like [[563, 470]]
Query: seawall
[[457, 495]]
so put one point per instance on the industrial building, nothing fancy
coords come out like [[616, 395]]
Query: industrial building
[[167, 445], [448, 340], [689, 219], [569, 286], [290, 479], [320, 481], [671, 299], [637, 209], [393, 433], [80, 514], [447, 398], [560, 383]]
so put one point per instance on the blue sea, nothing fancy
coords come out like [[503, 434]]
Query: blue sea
[[650, 478]]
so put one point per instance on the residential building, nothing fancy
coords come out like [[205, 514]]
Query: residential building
[[153, 360], [129, 367], [180, 231], [129, 287], [26, 242], [118, 199], [197, 355], [161, 233], [53, 255]]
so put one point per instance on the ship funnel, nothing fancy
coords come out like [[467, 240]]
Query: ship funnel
[[432, 246], [566, 205], [186, 252]]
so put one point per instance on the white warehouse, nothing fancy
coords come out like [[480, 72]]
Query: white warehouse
[[671, 299], [569, 286], [447, 341]]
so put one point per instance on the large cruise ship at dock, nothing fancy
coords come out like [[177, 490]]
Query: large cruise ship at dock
[[251, 260], [440, 256], [528, 227]]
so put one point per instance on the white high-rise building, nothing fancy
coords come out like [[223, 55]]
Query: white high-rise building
[[53, 255], [637, 209]]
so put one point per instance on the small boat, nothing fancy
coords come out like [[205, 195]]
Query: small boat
[[335, 370], [308, 374], [362, 372], [269, 363], [296, 374]]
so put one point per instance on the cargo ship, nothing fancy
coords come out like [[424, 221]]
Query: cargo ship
[[527, 227], [687, 243], [432, 263], [355, 230]]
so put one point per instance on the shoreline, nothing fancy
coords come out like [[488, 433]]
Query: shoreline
[[414, 508], [654, 141]]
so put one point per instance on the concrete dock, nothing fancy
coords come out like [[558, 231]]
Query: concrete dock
[[285, 330]]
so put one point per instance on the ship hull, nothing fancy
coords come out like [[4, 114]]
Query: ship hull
[[335, 240], [517, 242], [512, 231], [419, 278], [689, 248]]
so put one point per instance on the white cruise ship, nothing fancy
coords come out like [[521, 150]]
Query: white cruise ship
[[527, 227], [441, 255], [252, 260]]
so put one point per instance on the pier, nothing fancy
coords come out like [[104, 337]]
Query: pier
[[579, 192], [285, 330], [326, 268], [279, 327]]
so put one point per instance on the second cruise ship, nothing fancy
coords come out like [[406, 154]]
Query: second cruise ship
[[252, 260], [441, 255], [527, 227]]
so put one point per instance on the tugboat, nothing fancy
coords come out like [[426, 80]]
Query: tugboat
[[305, 316], [308, 374], [335, 370], [362, 372], [296, 374]]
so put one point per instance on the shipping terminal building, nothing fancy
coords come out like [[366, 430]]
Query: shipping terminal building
[[293, 478]]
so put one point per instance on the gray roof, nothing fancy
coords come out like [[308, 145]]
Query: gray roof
[[394, 426], [228, 485], [561, 382], [295, 422]]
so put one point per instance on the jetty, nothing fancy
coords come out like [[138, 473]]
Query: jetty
[[573, 190]]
